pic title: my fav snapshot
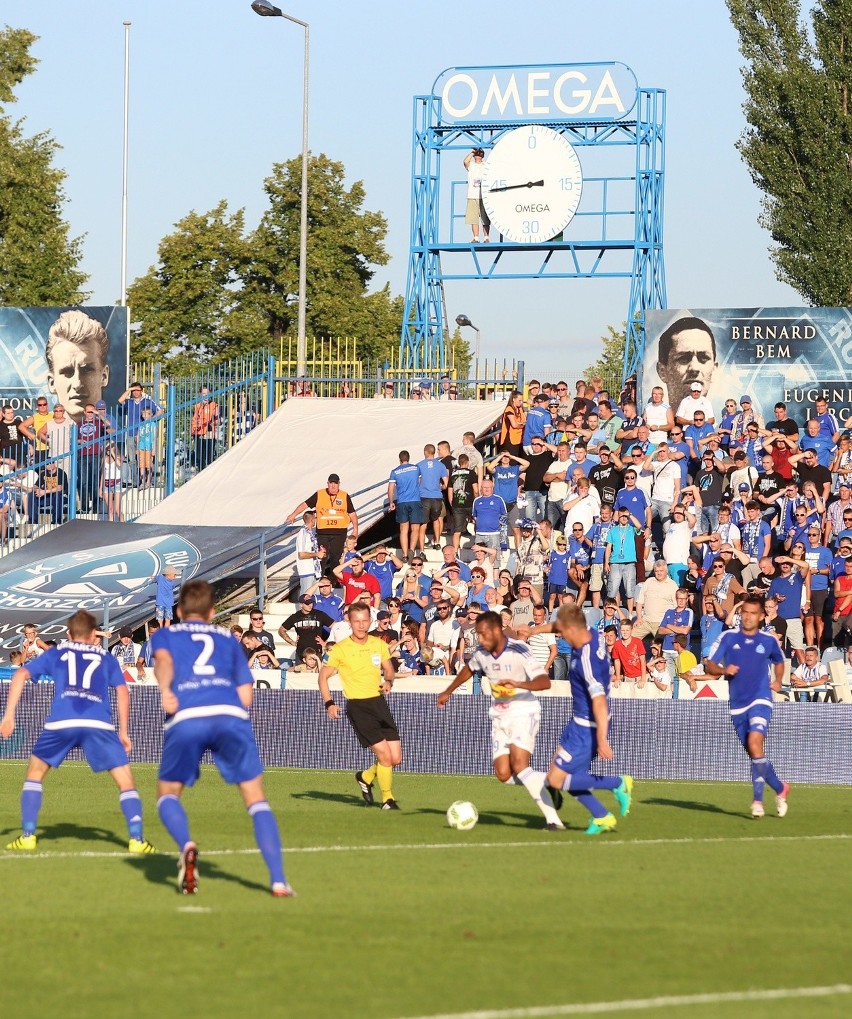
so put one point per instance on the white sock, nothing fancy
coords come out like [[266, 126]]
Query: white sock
[[533, 782]]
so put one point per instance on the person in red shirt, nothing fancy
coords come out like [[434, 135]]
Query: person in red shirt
[[628, 656], [356, 580]]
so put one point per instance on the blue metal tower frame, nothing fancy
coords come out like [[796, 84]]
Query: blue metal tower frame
[[596, 244]]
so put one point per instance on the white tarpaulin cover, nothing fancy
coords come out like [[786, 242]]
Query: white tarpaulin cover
[[266, 475]]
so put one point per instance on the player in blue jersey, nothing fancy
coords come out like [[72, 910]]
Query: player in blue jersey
[[745, 657], [513, 675], [206, 690], [586, 735], [80, 716]]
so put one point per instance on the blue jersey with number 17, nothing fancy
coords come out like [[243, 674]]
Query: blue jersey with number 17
[[82, 675], [209, 665]]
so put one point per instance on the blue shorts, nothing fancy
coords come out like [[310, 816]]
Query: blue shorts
[[230, 740], [163, 612], [101, 747], [410, 513], [755, 718], [578, 746]]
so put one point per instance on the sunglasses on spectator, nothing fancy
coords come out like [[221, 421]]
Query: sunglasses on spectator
[[580, 529]]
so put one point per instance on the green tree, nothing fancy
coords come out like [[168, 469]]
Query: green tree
[[217, 292], [345, 242], [188, 305], [610, 364], [798, 145], [39, 263]]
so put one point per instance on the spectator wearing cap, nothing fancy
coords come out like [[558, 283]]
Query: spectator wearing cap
[[696, 401], [385, 392], [532, 554], [356, 582], [134, 401], [743, 471], [125, 650], [741, 495], [755, 539], [385, 631], [311, 627], [746, 416], [538, 422], [335, 515]]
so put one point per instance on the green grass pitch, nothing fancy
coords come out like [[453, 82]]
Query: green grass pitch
[[399, 916]]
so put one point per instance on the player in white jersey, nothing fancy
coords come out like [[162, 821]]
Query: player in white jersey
[[513, 675]]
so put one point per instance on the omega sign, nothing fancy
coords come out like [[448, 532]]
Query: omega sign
[[550, 92]]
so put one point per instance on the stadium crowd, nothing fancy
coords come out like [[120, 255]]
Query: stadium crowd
[[658, 520]]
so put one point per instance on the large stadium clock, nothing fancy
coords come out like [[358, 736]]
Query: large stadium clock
[[531, 184]]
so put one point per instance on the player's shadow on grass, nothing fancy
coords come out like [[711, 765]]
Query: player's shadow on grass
[[318, 794], [501, 820], [706, 808], [75, 831], [160, 869]]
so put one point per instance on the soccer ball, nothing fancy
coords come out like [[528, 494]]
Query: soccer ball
[[462, 815]]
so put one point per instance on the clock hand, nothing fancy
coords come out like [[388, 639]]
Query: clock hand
[[514, 187]]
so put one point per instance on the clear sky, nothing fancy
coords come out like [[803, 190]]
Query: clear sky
[[216, 99]]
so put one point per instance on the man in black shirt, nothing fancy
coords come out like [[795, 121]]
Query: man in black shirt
[[783, 424], [310, 625], [605, 476], [807, 466], [540, 458], [11, 440], [768, 485]]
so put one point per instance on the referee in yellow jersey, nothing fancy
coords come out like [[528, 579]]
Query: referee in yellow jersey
[[367, 673]]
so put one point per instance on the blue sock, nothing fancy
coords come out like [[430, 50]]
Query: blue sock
[[591, 803], [583, 782], [174, 819], [771, 778], [758, 777], [131, 807], [268, 839], [30, 806]]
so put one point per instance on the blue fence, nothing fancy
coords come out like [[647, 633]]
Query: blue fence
[[694, 740]]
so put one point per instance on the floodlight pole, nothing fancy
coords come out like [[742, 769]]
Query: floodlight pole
[[267, 10]]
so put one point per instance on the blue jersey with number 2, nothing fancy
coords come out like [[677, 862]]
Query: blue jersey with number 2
[[209, 664]]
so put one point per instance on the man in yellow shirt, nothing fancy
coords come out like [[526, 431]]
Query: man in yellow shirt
[[367, 673]]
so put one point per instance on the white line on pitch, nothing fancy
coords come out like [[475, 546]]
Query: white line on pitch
[[607, 841], [642, 1004]]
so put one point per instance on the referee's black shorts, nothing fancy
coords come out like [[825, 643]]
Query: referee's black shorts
[[372, 721]]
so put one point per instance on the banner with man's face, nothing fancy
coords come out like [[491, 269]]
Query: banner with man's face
[[773, 355], [74, 356]]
